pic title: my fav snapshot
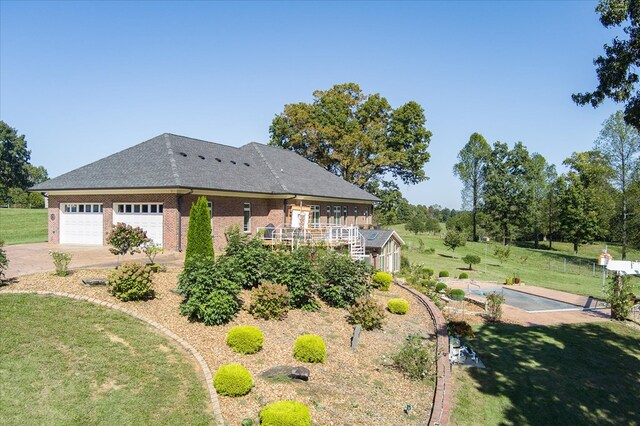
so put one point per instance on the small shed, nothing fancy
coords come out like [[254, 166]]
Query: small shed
[[383, 246]]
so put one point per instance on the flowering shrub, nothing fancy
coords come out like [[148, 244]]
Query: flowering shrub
[[61, 261], [366, 312], [126, 239], [460, 329], [493, 306], [132, 281], [270, 301]]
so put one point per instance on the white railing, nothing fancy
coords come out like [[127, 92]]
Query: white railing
[[319, 233]]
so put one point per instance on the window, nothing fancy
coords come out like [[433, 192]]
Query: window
[[247, 217], [366, 215], [328, 214], [336, 215], [315, 216], [83, 208], [210, 205], [345, 214], [355, 215], [396, 257], [382, 256], [138, 208]]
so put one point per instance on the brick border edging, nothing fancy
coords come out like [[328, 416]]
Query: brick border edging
[[217, 413], [442, 398]]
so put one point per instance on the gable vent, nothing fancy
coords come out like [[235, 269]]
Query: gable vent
[[218, 160], [183, 154], [247, 164], [201, 157], [233, 162]]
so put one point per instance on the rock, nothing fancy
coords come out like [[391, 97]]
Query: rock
[[91, 282], [355, 337], [300, 373], [294, 373]]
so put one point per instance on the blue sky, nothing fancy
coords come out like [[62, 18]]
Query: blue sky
[[84, 80]]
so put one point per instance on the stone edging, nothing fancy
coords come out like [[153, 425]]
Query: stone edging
[[442, 398], [217, 413]]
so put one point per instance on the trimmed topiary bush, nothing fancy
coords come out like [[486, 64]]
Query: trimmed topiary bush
[[398, 306], [440, 287], [463, 276], [285, 413], [366, 312], [199, 240], [456, 294], [270, 301], [245, 339], [310, 348], [131, 281], [382, 280], [232, 380], [443, 274]]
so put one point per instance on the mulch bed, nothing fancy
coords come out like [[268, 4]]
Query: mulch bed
[[358, 387]]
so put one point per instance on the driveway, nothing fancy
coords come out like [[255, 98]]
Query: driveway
[[30, 258]]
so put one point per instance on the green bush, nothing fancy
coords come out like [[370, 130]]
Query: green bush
[[619, 295], [398, 306], [404, 262], [310, 348], [296, 271], [440, 287], [285, 413], [126, 239], [463, 276], [270, 301], [4, 262], [443, 274], [366, 312], [131, 281], [232, 380], [248, 257], [210, 289], [415, 359], [382, 280], [456, 294], [199, 242], [345, 280], [61, 262], [245, 339], [428, 271]]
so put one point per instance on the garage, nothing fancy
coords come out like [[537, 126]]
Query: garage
[[81, 223], [147, 216]]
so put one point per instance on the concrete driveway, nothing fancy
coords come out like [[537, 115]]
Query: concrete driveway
[[30, 258]]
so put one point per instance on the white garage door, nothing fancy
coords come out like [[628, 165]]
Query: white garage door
[[81, 223], [147, 216]]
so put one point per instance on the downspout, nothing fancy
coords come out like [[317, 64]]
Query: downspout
[[179, 200]]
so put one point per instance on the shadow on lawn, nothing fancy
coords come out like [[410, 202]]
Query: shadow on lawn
[[570, 374]]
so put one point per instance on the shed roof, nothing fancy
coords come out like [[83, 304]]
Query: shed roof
[[377, 238]]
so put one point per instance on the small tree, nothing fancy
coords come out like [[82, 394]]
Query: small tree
[[502, 252], [199, 240], [471, 259], [126, 239], [454, 239], [618, 294]]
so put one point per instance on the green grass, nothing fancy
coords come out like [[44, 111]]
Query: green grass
[[582, 374], [541, 267], [19, 226], [68, 362]]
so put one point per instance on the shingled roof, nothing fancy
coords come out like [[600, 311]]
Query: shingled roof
[[377, 238], [172, 161]]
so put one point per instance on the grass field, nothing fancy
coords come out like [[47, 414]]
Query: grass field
[[19, 226], [69, 362], [541, 267], [583, 374]]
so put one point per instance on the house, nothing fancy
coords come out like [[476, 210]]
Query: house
[[153, 185], [383, 248]]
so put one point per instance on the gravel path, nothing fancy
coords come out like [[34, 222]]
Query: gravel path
[[349, 388]]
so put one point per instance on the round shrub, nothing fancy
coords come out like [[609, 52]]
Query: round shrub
[[215, 308], [132, 281], [285, 413], [232, 380], [456, 294], [428, 271], [440, 287], [366, 312], [310, 348], [382, 280], [245, 339], [270, 301], [398, 306], [463, 276], [443, 274]]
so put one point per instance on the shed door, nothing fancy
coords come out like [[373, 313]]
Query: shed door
[[147, 216], [81, 223]]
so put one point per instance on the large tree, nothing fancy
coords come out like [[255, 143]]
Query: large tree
[[19, 197], [470, 169], [537, 182], [356, 136], [617, 68], [620, 144], [14, 158], [578, 217]]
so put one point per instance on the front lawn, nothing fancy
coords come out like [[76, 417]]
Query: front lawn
[[565, 375], [20, 226], [65, 362]]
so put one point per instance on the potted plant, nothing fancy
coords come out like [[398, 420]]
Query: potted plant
[[516, 279]]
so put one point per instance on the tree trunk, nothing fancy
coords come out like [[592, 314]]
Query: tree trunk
[[575, 247], [536, 239]]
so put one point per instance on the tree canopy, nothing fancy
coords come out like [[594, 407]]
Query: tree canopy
[[617, 68], [14, 159], [356, 136]]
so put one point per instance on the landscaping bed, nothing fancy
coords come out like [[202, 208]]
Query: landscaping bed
[[350, 387]]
